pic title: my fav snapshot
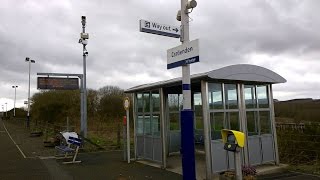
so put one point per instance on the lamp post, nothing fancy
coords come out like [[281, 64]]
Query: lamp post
[[6, 109], [2, 111], [14, 103], [28, 115]]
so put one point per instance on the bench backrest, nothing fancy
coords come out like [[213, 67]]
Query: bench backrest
[[74, 141]]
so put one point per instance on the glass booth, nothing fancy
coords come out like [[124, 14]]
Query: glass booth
[[237, 97]]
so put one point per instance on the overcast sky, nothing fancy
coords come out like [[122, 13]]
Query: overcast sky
[[282, 36]]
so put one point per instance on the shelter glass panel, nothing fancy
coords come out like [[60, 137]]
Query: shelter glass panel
[[174, 121], [155, 102], [139, 102], [217, 124], [233, 119], [231, 96], [147, 125], [215, 96], [139, 125], [198, 110], [250, 96], [146, 102], [252, 123], [173, 100], [265, 122], [156, 125], [262, 94]]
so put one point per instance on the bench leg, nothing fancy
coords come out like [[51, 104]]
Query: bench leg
[[71, 162]]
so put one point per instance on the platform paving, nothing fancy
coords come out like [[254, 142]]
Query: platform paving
[[25, 157]]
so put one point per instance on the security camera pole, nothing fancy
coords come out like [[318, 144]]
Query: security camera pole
[[83, 40], [187, 124]]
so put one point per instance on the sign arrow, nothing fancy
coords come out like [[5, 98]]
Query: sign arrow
[[176, 29]]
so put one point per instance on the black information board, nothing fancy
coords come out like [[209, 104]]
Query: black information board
[[58, 83]]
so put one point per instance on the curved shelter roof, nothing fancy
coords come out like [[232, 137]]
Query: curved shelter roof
[[238, 72]]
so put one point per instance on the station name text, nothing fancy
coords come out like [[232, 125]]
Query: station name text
[[180, 52]]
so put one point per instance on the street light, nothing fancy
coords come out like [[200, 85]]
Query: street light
[[28, 115], [14, 104], [6, 110]]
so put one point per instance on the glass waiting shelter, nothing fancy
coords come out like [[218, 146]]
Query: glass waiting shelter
[[237, 97]]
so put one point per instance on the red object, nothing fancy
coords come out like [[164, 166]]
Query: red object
[[124, 120]]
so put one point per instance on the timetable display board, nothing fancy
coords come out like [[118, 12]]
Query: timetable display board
[[58, 83]]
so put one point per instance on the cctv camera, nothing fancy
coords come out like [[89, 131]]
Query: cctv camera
[[84, 42], [27, 58], [192, 4], [179, 15]]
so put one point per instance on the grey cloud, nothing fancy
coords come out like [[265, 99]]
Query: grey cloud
[[229, 32]]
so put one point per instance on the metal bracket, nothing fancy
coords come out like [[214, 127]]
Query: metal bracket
[[181, 34]]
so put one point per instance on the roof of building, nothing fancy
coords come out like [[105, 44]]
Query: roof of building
[[238, 72]]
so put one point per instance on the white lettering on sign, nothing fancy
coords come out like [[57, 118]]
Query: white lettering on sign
[[179, 52]]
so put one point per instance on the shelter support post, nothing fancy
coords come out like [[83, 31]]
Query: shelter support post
[[134, 124], [243, 122], [163, 129], [206, 127], [273, 125]]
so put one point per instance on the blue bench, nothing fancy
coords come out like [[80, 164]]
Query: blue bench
[[72, 148]]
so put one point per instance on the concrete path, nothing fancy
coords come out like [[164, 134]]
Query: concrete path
[[24, 157], [13, 164]]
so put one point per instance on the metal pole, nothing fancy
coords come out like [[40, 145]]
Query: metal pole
[[81, 104], [84, 128], [187, 125], [163, 128], [128, 135], [14, 104], [273, 125], [185, 68], [237, 163], [124, 133], [206, 127], [28, 115], [6, 110]]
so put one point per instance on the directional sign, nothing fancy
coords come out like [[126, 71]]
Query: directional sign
[[186, 53], [159, 29]]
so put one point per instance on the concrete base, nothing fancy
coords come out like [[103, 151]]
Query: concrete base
[[270, 169], [174, 165]]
